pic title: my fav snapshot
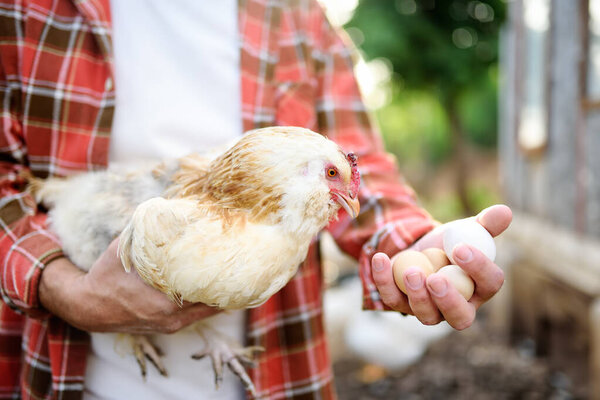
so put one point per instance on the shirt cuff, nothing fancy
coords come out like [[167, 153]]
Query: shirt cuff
[[390, 239], [27, 248]]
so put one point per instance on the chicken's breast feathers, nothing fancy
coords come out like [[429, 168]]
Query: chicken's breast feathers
[[190, 252], [155, 224], [234, 268]]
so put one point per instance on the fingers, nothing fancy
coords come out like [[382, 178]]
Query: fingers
[[391, 296], [188, 316], [495, 219], [199, 311], [433, 238], [161, 314], [419, 299], [488, 277], [167, 324], [170, 322], [432, 299], [459, 313]]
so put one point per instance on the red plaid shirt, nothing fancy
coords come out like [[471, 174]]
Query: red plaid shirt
[[57, 105]]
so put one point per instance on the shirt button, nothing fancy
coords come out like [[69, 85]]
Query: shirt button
[[108, 84]]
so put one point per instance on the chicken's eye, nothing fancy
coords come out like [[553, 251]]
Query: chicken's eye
[[331, 172]]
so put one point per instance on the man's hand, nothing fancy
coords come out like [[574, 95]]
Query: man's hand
[[432, 299], [107, 299]]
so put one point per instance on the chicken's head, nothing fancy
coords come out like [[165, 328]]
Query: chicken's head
[[311, 175], [286, 175], [343, 186]]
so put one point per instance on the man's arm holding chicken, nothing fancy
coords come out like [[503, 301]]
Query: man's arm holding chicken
[[108, 299], [36, 278]]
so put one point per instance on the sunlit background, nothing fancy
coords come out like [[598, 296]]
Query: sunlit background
[[429, 72], [484, 102]]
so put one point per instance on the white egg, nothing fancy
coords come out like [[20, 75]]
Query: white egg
[[459, 279], [470, 232]]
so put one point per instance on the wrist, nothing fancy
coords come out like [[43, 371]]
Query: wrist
[[60, 290]]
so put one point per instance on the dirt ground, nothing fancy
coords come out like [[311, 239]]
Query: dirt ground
[[472, 365]]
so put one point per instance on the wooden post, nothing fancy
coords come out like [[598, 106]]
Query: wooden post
[[595, 349]]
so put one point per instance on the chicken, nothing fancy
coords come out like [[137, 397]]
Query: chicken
[[382, 338], [189, 226]]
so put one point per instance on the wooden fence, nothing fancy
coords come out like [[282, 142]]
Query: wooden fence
[[550, 172]]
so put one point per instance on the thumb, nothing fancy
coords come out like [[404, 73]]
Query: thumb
[[495, 218]]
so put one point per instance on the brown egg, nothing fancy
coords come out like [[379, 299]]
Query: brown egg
[[409, 258], [437, 257], [459, 279]]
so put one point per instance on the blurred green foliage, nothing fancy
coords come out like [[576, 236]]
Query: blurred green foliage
[[438, 49], [441, 45], [415, 122], [418, 125], [478, 107], [447, 207], [444, 60]]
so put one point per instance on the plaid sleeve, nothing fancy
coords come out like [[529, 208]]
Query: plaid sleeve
[[26, 246], [390, 218]]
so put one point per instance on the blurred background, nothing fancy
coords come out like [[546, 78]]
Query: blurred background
[[484, 101]]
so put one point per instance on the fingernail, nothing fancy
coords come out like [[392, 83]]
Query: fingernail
[[378, 265], [438, 286], [414, 281], [482, 214], [463, 253]]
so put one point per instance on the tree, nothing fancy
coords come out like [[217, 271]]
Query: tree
[[445, 46]]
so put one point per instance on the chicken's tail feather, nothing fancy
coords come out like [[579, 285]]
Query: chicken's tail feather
[[139, 245], [34, 185], [124, 248], [44, 191], [176, 298]]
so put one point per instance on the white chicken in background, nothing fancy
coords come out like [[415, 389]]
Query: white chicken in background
[[190, 227]]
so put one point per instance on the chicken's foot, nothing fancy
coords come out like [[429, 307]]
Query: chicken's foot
[[226, 352], [144, 349]]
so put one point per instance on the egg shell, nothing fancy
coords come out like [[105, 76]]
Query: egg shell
[[459, 279], [470, 232], [409, 258], [437, 257]]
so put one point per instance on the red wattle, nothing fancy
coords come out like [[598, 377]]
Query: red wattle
[[355, 175]]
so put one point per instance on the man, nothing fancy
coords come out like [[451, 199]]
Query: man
[[59, 82]]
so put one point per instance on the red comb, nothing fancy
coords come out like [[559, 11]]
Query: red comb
[[355, 177]]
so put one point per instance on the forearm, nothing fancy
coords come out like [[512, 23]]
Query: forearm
[[26, 247], [60, 290], [107, 299], [391, 218], [92, 302]]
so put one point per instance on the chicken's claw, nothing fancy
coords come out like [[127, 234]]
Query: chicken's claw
[[144, 349], [226, 352]]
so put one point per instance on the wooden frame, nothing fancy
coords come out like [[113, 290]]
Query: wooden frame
[[521, 60], [552, 294], [584, 107]]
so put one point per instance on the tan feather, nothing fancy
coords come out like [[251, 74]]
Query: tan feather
[[227, 232], [155, 224]]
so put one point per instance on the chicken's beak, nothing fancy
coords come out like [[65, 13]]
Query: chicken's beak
[[351, 205]]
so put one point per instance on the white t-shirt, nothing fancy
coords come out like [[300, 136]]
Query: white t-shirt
[[177, 77], [177, 82]]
